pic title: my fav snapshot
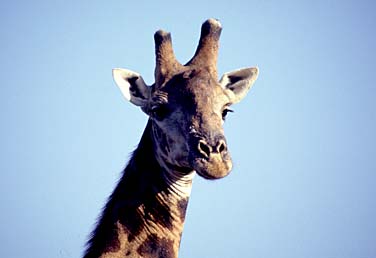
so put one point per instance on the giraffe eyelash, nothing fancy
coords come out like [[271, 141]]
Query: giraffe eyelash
[[225, 112]]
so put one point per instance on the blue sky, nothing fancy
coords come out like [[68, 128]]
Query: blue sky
[[303, 141]]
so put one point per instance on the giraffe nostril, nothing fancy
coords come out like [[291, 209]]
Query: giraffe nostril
[[204, 148], [221, 147]]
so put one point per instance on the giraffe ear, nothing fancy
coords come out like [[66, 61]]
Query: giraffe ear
[[237, 83], [132, 86]]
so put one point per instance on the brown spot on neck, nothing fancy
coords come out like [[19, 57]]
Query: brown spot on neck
[[156, 247], [182, 208]]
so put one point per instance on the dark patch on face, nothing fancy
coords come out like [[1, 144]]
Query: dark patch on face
[[182, 208], [191, 88], [156, 247], [162, 140], [128, 253]]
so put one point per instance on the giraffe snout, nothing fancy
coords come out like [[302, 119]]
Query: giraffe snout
[[206, 149], [210, 157]]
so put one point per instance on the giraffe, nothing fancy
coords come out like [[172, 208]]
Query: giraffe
[[187, 106]]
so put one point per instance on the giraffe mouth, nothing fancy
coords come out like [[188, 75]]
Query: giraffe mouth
[[213, 167]]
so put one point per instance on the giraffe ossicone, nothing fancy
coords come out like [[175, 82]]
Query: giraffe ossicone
[[187, 106]]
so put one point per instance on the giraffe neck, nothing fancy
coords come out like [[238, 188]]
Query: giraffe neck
[[145, 214]]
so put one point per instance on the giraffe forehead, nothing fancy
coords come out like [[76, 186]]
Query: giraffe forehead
[[200, 89]]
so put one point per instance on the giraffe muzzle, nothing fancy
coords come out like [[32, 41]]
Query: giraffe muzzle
[[212, 161], [206, 150]]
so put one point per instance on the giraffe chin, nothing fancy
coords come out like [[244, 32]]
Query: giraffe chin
[[213, 168]]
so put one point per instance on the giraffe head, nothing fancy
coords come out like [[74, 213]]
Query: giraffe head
[[187, 104]]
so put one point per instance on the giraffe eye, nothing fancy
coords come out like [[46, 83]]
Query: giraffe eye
[[225, 112], [159, 112]]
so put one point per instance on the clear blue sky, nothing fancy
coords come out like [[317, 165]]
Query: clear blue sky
[[303, 141]]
